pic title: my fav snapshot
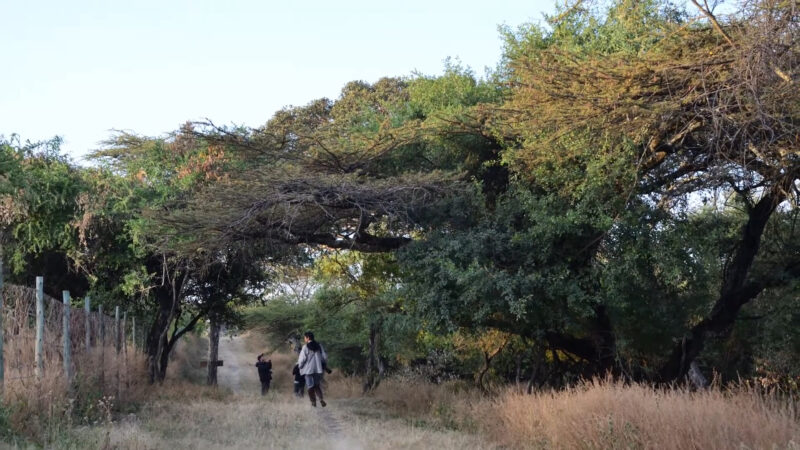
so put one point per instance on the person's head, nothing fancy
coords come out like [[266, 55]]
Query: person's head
[[308, 336], [260, 356]]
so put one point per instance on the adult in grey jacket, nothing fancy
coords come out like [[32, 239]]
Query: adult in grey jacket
[[312, 362]]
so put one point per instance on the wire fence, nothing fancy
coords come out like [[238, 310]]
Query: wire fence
[[91, 337]]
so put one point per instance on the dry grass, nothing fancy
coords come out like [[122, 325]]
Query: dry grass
[[592, 415], [182, 415], [409, 413], [40, 409], [205, 423], [249, 422], [611, 415]]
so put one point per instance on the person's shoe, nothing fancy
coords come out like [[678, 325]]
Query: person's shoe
[[322, 402], [314, 404]]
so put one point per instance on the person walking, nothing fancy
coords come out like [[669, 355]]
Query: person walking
[[299, 382], [312, 362], [264, 373]]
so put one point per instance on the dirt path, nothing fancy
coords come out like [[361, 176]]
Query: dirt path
[[240, 376], [238, 372], [210, 419]]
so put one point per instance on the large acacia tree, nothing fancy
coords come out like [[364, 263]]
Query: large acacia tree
[[666, 108], [352, 174]]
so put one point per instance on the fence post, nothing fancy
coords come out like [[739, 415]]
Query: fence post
[[2, 361], [101, 326], [117, 345], [133, 328], [87, 308], [39, 352], [116, 329], [102, 330], [124, 338], [67, 341], [124, 351]]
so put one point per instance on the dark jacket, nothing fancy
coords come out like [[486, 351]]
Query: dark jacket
[[297, 377], [264, 370]]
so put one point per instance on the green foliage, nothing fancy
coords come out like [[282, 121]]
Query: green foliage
[[589, 205]]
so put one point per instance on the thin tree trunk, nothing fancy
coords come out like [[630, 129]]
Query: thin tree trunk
[[534, 359], [157, 339], [374, 372], [213, 350], [487, 358]]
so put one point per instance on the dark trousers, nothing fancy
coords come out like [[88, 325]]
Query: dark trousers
[[264, 387], [314, 392], [299, 388]]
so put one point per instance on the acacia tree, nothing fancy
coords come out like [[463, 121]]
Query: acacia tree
[[228, 281], [136, 182], [367, 283], [666, 109], [38, 187], [355, 173], [613, 133], [360, 173]]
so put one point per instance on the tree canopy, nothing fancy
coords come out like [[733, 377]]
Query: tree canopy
[[619, 196]]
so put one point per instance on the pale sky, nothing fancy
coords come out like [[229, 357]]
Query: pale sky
[[79, 69]]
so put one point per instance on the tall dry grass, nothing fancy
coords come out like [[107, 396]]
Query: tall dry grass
[[38, 408], [604, 415], [592, 415]]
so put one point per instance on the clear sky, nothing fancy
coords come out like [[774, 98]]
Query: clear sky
[[79, 69]]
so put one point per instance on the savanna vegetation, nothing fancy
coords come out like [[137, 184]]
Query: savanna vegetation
[[617, 200]]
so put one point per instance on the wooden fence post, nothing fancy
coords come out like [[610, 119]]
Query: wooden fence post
[[39, 352], [2, 361], [116, 344], [101, 328], [67, 341], [124, 351], [133, 331], [124, 335], [143, 339], [87, 308], [116, 329]]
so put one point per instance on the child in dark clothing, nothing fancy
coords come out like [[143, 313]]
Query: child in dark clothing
[[299, 381], [264, 373]]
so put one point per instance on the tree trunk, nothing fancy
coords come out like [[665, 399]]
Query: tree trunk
[[374, 367], [605, 341], [294, 342], [535, 360], [735, 291], [157, 337], [164, 360], [213, 350], [487, 359], [169, 342], [487, 363]]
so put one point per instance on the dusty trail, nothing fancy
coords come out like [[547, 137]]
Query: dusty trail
[[239, 372], [206, 418], [241, 377]]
